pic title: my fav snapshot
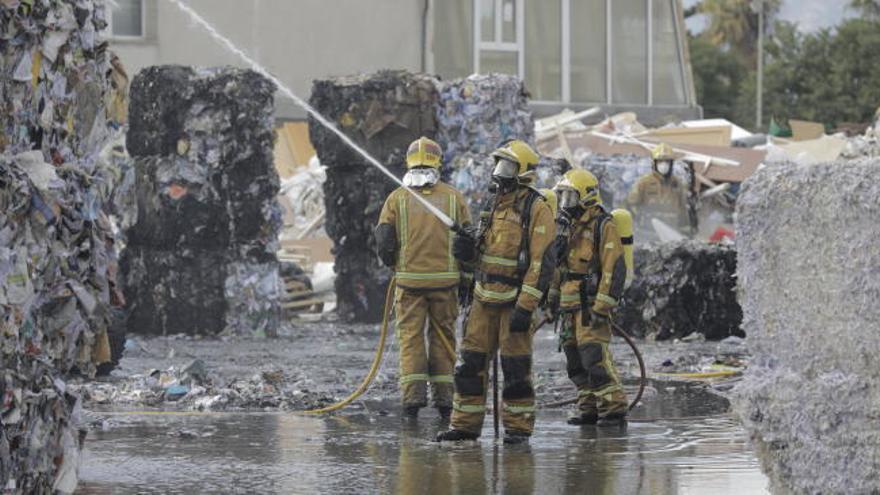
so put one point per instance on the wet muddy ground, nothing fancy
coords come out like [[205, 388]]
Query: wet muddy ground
[[681, 439]]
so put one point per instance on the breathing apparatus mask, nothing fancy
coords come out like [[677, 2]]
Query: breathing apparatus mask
[[569, 203], [504, 176], [421, 177], [663, 167]]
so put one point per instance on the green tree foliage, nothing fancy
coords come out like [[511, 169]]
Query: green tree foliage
[[718, 77], [830, 76], [733, 24], [867, 8]]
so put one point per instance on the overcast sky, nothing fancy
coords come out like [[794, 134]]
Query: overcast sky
[[810, 15]]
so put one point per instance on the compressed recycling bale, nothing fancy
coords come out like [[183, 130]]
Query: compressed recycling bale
[[171, 292], [58, 290], [680, 288], [220, 116], [202, 142], [201, 255], [56, 64], [474, 116], [57, 257], [383, 113], [808, 270]]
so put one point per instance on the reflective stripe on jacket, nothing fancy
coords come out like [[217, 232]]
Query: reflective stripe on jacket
[[424, 243]]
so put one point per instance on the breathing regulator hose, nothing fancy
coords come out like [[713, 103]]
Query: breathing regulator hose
[[377, 359], [642, 370]]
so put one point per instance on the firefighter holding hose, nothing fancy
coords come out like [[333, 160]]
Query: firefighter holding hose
[[513, 271], [593, 277], [418, 246]]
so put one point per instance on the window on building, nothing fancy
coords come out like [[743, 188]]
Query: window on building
[[668, 77], [127, 19], [543, 49], [589, 73], [629, 53], [500, 34], [453, 43], [581, 51]]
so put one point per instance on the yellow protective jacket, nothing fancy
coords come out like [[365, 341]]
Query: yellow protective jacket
[[419, 244], [499, 280], [605, 271], [660, 195]]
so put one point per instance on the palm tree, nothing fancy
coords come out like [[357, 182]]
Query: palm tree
[[868, 8], [734, 25]]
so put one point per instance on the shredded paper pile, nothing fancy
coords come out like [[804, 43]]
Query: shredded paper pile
[[58, 270]]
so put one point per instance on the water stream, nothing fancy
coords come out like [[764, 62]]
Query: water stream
[[286, 91]]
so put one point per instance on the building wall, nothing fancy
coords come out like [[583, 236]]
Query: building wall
[[298, 41], [303, 40]]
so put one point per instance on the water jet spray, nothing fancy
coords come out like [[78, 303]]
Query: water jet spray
[[286, 91]]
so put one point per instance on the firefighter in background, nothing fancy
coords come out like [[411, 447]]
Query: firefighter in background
[[418, 246], [661, 195], [593, 275], [513, 270]]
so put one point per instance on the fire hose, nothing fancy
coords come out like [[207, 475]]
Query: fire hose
[[642, 370], [380, 353], [377, 359]]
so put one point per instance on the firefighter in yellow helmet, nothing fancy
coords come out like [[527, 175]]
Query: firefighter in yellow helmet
[[418, 246], [513, 271], [593, 273], [659, 194]]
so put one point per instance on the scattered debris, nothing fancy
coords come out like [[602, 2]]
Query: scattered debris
[[201, 256], [302, 199]]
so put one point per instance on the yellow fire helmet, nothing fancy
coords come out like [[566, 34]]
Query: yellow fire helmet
[[578, 187], [424, 152], [663, 152], [520, 154], [550, 196]]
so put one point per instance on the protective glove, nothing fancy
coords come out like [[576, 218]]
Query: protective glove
[[520, 321], [386, 244], [464, 246]]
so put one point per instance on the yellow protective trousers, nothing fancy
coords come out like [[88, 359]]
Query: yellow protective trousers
[[488, 329], [590, 365], [424, 315]]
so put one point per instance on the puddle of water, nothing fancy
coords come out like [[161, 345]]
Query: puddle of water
[[372, 453]]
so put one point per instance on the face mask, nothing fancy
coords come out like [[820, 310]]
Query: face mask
[[663, 168], [505, 169], [568, 198], [421, 177]]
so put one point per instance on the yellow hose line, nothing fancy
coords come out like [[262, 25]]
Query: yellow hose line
[[707, 374], [377, 359]]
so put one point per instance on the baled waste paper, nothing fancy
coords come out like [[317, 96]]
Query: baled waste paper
[[681, 288], [474, 115], [200, 257], [383, 113], [58, 272]]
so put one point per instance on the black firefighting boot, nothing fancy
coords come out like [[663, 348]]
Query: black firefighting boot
[[456, 436]]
